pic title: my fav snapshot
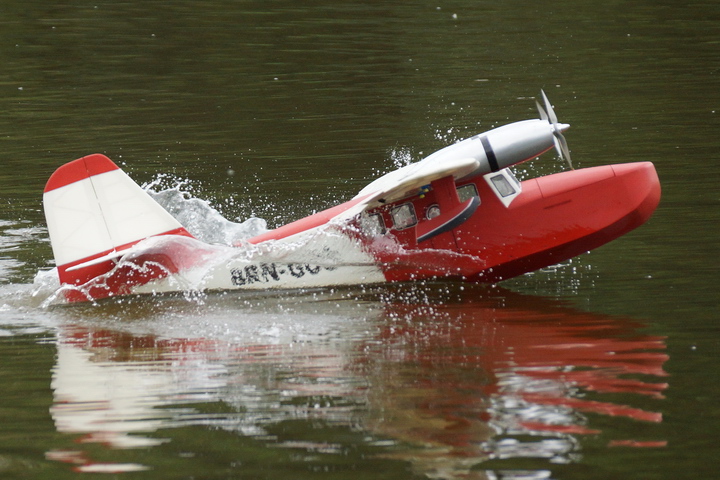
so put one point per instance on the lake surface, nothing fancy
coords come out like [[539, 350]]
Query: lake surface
[[603, 367]]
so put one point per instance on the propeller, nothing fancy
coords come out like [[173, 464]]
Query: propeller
[[548, 114]]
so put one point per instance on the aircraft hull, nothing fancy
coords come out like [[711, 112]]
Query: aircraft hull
[[554, 218]]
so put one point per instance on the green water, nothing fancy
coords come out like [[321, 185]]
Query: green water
[[602, 368]]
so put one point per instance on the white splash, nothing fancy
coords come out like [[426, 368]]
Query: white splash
[[202, 220]]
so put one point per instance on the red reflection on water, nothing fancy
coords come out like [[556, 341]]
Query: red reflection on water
[[451, 372], [538, 363], [637, 444]]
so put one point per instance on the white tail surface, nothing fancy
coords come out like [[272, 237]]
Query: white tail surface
[[93, 209]]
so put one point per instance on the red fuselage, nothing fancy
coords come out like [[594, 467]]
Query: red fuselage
[[554, 218]]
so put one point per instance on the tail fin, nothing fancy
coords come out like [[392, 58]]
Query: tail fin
[[94, 213]]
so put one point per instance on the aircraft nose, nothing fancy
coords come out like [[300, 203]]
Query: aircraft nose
[[562, 126]]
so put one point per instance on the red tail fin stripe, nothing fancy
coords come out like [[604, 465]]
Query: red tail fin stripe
[[80, 169]]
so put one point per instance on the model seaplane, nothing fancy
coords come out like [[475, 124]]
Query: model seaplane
[[458, 214]]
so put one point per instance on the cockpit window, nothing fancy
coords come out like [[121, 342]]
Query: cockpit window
[[372, 224], [432, 211], [466, 192], [505, 185], [502, 185], [404, 216]]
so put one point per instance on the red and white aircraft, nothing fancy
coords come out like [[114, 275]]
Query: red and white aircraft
[[459, 214]]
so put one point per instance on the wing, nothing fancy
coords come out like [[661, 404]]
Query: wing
[[408, 181]]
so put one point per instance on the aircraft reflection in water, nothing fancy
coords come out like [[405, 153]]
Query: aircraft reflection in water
[[464, 381]]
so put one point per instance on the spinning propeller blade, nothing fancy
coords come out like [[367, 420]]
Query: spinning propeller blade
[[548, 114]]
